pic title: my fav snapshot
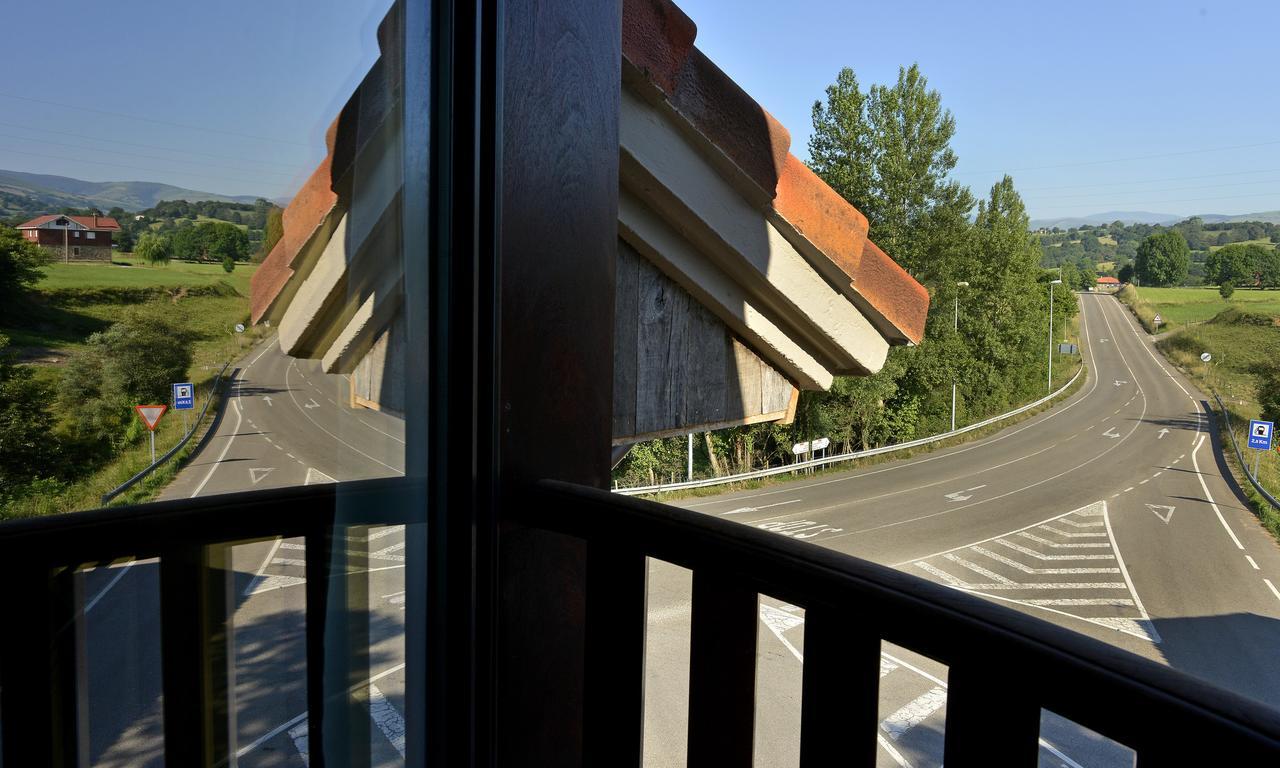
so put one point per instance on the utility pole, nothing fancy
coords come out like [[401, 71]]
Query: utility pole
[[956, 328], [690, 456], [1051, 284]]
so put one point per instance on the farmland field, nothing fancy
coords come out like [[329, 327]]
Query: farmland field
[[128, 272], [1193, 305]]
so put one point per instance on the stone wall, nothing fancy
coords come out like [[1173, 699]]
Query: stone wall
[[93, 253]]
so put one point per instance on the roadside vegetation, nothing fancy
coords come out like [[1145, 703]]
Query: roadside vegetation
[[887, 150], [1242, 337], [80, 345]]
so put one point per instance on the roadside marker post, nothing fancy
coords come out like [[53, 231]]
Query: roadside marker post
[[1261, 435], [150, 415]]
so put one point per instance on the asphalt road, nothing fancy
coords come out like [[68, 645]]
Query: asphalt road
[[1108, 514]]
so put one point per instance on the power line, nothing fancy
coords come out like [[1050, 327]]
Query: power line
[[1170, 189], [136, 154], [157, 122], [1145, 181], [1124, 159], [131, 167], [144, 146], [1146, 203]]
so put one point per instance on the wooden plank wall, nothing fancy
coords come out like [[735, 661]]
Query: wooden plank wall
[[676, 367]]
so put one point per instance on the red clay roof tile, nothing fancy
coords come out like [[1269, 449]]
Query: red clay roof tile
[[100, 224], [658, 40]]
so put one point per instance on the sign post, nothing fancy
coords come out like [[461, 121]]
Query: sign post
[[1158, 321], [1261, 435], [150, 415], [184, 399]]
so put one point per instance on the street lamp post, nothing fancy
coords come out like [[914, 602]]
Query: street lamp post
[[956, 327], [1051, 284]]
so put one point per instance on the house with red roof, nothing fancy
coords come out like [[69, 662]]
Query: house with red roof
[[72, 238]]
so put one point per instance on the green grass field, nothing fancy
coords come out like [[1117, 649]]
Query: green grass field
[[1260, 241], [129, 272], [1177, 306]]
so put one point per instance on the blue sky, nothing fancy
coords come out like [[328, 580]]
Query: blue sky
[[1158, 106], [1038, 84]]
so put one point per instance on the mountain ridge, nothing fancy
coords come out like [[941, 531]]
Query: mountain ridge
[[1147, 217], [44, 192]]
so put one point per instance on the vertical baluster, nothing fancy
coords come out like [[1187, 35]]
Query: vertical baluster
[[615, 645], [989, 722], [722, 672], [319, 542], [37, 687], [196, 654], [839, 713]]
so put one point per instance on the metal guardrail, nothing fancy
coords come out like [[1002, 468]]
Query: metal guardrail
[[127, 484], [768, 471], [1240, 456]]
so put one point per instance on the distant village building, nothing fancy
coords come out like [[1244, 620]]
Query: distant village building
[[72, 238]]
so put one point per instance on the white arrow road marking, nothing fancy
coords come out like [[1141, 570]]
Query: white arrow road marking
[[311, 404], [315, 476], [1109, 431], [257, 473], [757, 509], [267, 398], [959, 495], [1162, 511], [1104, 341], [1120, 383], [1163, 432]]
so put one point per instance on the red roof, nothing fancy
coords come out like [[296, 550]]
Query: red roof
[[94, 223], [657, 46], [1108, 281]]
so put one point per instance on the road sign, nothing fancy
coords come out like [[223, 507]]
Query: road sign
[[184, 396], [150, 414], [1205, 356], [818, 445], [1067, 349], [1158, 320], [1260, 433], [239, 327]]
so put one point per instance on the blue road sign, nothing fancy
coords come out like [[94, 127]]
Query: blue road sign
[[1260, 433], [184, 396]]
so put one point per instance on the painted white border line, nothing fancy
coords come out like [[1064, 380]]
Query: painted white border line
[[1209, 497]]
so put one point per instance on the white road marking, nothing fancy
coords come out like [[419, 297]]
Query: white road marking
[[1126, 490], [953, 557], [296, 719], [1073, 523], [301, 742], [388, 720], [914, 713], [757, 509], [257, 473], [288, 561], [1162, 433], [1033, 553], [1272, 587], [327, 432], [1070, 535], [1109, 431], [1056, 545], [1038, 571], [1246, 557], [225, 448], [316, 476], [1125, 572], [1162, 511], [115, 579], [1007, 585], [1209, 497], [1080, 601]]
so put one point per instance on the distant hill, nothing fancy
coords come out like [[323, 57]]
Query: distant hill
[[1126, 217], [34, 193], [1145, 217]]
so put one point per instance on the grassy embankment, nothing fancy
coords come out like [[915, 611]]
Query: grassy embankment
[[1065, 367], [1243, 336], [75, 300]]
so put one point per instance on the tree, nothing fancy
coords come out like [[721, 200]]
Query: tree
[[1125, 275], [21, 265], [888, 153], [1088, 277], [1226, 289], [1267, 265], [228, 264], [1269, 394], [1163, 259], [156, 249], [223, 241], [131, 363], [27, 450]]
